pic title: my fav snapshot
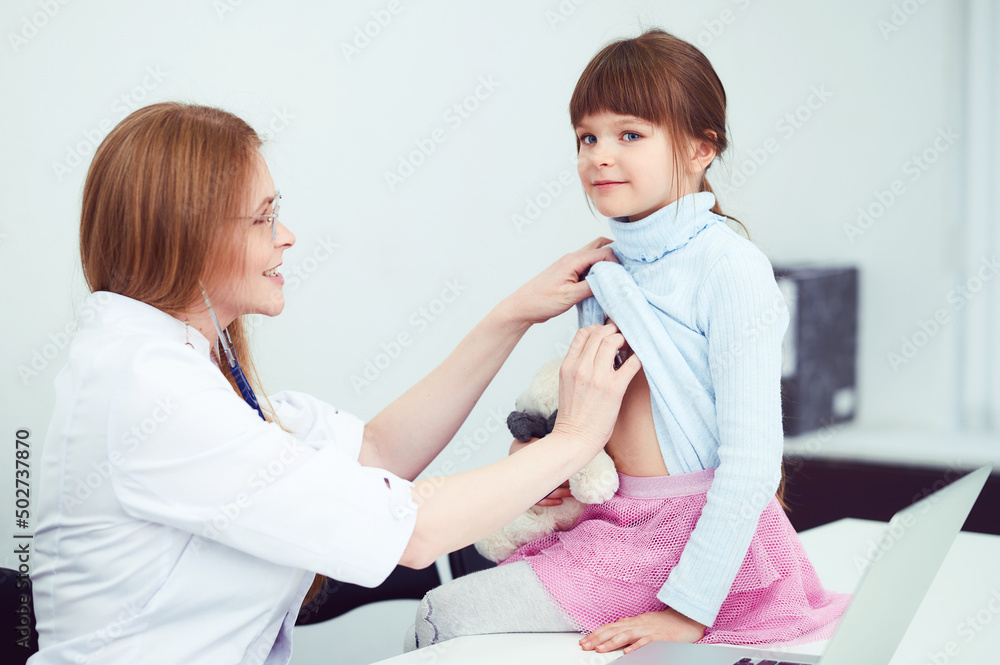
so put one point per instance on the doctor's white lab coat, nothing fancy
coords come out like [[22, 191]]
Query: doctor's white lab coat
[[175, 526]]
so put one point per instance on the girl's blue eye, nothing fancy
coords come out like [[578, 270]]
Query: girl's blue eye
[[632, 136], [588, 138]]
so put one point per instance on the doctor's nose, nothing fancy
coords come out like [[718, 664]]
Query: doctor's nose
[[283, 237]]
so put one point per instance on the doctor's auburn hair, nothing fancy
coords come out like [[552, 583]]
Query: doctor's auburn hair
[[161, 211], [161, 208], [664, 80]]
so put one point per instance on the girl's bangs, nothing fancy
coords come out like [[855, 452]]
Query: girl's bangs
[[620, 80]]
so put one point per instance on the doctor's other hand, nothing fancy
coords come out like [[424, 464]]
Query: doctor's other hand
[[561, 285], [590, 388]]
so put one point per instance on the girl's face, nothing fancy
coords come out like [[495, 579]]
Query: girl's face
[[627, 167], [258, 288]]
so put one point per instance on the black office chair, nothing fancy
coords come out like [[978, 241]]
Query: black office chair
[[467, 560], [17, 605], [339, 598]]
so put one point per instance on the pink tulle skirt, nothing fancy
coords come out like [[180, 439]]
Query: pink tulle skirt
[[614, 561]]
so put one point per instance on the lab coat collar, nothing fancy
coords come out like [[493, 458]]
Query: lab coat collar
[[122, 315]]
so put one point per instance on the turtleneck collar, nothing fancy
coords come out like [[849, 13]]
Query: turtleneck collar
[[665, 230]]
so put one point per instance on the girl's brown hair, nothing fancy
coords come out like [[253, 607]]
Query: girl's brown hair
[[668, 82], [662, 79], [162, 207]]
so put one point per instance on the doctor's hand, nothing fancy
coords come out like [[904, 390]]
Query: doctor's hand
[[561, 285], [634, 632], [590, 388]]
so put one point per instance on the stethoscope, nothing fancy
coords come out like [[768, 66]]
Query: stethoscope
[[234, 366]]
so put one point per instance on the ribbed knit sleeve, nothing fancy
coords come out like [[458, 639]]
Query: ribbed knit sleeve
[[589, 312], [744, 318]]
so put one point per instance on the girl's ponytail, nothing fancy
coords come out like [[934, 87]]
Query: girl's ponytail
[[717, 209]]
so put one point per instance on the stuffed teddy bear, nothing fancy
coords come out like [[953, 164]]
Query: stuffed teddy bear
[[595, 483]]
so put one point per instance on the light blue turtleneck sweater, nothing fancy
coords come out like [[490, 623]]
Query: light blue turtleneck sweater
[[699, 305]]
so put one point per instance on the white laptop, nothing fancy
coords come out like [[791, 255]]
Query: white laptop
[[884, 603]]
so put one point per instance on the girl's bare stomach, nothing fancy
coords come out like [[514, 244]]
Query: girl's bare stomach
[[633, 444]]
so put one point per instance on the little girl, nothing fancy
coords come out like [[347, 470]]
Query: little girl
[[694, 546]]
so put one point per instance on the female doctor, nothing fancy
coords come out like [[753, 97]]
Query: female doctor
[[183, 521]]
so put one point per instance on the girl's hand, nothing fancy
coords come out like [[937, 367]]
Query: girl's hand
[[634, 632], [560, 286], [558, 494], [590, 388]]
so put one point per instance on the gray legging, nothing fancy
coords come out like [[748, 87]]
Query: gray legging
[[505, 599]]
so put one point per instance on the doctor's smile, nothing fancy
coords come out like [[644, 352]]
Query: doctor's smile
[[272, 273]]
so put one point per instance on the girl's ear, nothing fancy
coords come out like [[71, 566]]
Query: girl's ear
[[701, 153]]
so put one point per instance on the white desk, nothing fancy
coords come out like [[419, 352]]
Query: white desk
[[960, 614], [895, 446]]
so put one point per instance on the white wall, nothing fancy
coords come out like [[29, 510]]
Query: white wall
[[341, 123]]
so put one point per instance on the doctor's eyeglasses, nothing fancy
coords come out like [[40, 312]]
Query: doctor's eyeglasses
[[272, 219]]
